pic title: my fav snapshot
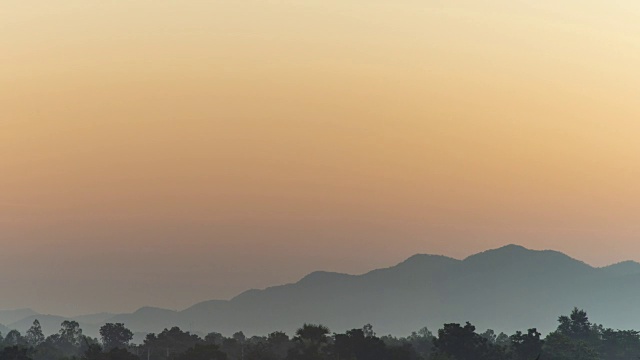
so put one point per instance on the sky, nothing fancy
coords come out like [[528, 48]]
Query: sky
[[168, 152]]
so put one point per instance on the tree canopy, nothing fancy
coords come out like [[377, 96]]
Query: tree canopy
[[575, 338]]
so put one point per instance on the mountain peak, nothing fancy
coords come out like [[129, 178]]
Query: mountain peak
[[518, 257], [518, 250], [10, 316], [321, 276], [424, 257], [501, 287], [513, 247], [628, 267], [509, 249], [153, 310], [419, 262]]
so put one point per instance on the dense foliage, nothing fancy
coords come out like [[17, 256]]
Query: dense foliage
[[575, 338]]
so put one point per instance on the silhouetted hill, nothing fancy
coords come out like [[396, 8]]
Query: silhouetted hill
[[51, 324], [623, 268], [149, 319], [508, 289], [4, 330], [11, 316], [93, 318]]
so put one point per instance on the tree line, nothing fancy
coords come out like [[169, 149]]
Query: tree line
[[575, 338]]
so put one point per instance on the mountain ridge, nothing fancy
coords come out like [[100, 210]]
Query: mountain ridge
[[506, 288]]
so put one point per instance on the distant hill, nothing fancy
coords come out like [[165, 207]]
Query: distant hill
[[4, 330], [51, 324], [623, 268], [507, 289], [93, 318], [11, 316]]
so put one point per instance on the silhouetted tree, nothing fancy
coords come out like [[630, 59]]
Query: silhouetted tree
[[575, 338], [115, 336], [169, 343], [260, 351], [354, 344], [34, 336], [120, 354], [71, 332], [48, 349], [311, 343], [203, 352], [69, 339], [14, 338], [620, 344], [503, 340], [14, 353], [240, 340], [368, 330], [214, 338], [490, 335], [526, 346], [93, 352], [576, 326], [421, 341], [279, 344], [461, 343], [403, 352], [232, 348]]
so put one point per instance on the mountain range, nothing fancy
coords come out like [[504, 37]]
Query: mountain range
[[506, 289]]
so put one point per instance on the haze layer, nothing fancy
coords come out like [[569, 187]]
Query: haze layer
[[163, 153]]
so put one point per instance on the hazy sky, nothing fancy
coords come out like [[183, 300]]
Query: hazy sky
[[167, 152]]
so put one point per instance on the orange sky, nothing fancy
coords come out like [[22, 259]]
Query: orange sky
[[166, 152]]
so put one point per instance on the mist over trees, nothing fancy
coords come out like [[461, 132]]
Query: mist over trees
[[575, 338]]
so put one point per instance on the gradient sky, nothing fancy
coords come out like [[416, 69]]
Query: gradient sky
[[167, 152]]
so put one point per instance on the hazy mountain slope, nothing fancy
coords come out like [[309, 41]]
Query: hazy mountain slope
[[511, 288], [4, 330], [507, 289], [11, 316], [51, 324], [149, 319], [94, 318], [623, 268]]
